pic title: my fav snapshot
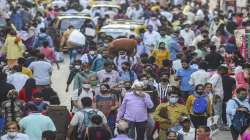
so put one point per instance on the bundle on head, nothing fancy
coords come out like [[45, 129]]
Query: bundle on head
[[122, 44]]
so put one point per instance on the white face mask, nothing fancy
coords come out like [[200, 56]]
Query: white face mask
[[77, 67], [12, 134]]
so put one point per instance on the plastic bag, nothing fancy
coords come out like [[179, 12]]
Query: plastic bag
[[76, 38], [59, 56]]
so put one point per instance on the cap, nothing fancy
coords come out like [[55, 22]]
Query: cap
[[184, 118]]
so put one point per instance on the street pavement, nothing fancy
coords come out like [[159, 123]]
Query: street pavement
[[59, 78]]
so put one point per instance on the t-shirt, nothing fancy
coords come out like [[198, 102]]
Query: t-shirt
[[41, 72], [35, 124], [185, 75]]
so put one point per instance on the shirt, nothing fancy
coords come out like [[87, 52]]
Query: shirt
[[17, 79], [121, 137], [35, 124], [134, 108], [27, 71], [185, 75], [41, 72], [150, 38], [19, 136], [216, 81], [188, 135], [110, 77], [188, 36], [232, 107], [199, 77]]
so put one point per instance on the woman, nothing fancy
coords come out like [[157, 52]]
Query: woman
[[161, 53], [107, 103], [171, 135], [28, 90], [13, 48]]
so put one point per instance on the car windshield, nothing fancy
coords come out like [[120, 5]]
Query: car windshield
[[76, 22], [116, 32]]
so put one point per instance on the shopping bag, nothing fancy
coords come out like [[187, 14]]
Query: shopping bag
[[76, 38]]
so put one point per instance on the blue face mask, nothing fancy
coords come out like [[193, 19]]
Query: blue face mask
[[173, 100]]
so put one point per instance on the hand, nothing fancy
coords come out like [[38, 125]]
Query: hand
[[242, 109]]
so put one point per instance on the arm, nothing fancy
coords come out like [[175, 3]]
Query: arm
[[122, 109], [148, 101], [209, 108], [189, 104], [157, 116], [231, 108]]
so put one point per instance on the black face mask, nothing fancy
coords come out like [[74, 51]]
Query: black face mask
[[127, 88], [198, 92], [164, 80]]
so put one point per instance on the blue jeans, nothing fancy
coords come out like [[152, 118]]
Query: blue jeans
[[72, 55]]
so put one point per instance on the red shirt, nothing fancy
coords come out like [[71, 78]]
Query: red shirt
[[22, 94]]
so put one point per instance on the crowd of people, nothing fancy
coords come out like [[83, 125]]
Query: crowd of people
[[187, 69]]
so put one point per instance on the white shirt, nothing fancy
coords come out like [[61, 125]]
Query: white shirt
[[112, 77], [188, 136], [199, 77], [177, 64], [41, 72], [155, 23], [151, 38], [18, 80], [188, 36], [19, 136], [216, 81]]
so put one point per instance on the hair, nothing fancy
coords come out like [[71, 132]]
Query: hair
[[126, 63], [174, 92], [21, 61], [106, 85], [49, 135], [213, 48], [17, 68], [96, 119], [106, 64], [171, 131], [40, 56], [184, 61], [206, 84], [86, 101], [8, 124], [203, 65], [206, 128], [45, 44], [197, 86], [240, 89], [30, 107], [29, 85]]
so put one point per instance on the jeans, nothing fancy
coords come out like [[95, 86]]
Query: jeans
[[224, 115], [140, 130], [72, 55], [235, 135]]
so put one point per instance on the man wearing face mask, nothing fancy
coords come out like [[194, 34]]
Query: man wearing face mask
[[237, 104], [187, 34], [90, 57], [126, 74], [73, 72], [123, 57], [167, 114], [150, 37], [13, 134]]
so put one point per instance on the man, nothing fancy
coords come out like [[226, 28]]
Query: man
[[81, 119], [108, 75], [167, 114], [35, 123], [25, 70], [187, 34], [237, 104], [187, 132], [42, 37], [18, 79], [42, 71], [164, 38], [183, 75], [13, 134], [122, 129], [4, 87], [199, 107], [150, 37], [134, 109], [126, 74], [214, 59], [203, 133], [84, 76], [200, 76], [78, 94]]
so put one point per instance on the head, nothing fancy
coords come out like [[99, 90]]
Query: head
[[86, 102], [122, 54], [125, 66], [162, 46], [86, 86], [40, 56], [185, 122], [203, 65], [21, 61], [17, 68], [171, 135], [144, 58], [199, 89], [108, 66], [185, 64], [173, 97], [208, 87], [77, 64], [203, 133], [45, 44], [71, 27], [104, 88], [12, 94], [12, 129], [96, 120], [37, 98], [150, 28], [138, 86], [127, 85], [122, 127], [241, 94], [49, 135], [222, 70], [164, 78], [85, 67]]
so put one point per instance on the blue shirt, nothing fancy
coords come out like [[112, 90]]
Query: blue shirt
[[127, 76], [185, 75], [35, 124]]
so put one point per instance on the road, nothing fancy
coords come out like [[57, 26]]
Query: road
[[59, 78]]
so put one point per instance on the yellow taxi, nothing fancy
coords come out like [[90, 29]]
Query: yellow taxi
[[122, 28]]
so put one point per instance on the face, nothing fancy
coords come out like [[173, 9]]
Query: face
[[12, 128], [200, 90], [85, 67], [125, 67], [109, 68], [103, 89], [185, 65], [150, 28], [171, 136], [162, 46], [201, 134], [208, 88], [242, 95], [186, 124]]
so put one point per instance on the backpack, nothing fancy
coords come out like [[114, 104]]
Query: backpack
[[240, 120], [60, 117], [40, 40], [86, 123], [200, 104]]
